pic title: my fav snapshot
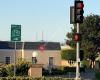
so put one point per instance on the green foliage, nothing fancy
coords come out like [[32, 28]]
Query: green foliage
[[86, 63], [10, 69], [41, 78], [97, 74], [90, 36], [55, 72], [73, 69], [22, 68], [3, 72], [69, 55]]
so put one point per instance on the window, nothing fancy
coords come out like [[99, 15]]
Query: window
[[51, 61], [7, 60]]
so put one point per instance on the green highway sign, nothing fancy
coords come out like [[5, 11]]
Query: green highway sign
[[15, 32]]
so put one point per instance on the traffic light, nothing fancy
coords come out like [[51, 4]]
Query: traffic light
[[79, 11], [98, 26], [81, 55], [77, 37]]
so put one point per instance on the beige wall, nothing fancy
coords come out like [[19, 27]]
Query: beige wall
[[9, 53], [42, 58]]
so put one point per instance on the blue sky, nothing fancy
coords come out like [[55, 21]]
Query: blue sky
[[51, 17]]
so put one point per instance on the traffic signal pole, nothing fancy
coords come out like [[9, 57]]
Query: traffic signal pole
[[77, 19], [77, 56]]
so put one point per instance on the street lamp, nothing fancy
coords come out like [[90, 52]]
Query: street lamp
[[34, 57]]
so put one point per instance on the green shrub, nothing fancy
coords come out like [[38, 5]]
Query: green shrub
[[97, 74], [22, 68], [73, 69], [40, 78], [86, 63], [3, 72], [54, 72], [10, 69], [68, 55]]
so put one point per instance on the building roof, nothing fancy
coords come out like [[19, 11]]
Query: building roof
[[66, 47], [30, 45]]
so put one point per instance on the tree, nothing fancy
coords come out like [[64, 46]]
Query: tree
[[69, 55], [90, 33]]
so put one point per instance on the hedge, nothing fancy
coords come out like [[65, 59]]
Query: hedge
[[73, 69], [97, 74], [41, 78], [22, 68]]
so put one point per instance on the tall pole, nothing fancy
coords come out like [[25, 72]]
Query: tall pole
[[15, 61], [42, 36], [77, 56], [23, 43]]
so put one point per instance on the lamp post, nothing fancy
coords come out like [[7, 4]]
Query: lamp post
[[34, 57]]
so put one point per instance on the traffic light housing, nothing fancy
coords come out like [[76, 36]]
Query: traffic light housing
[[78, 13], [77, 37], [81, 55]]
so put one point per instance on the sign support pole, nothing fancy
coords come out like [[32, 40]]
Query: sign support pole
[[15, 61], [77, 57], [15, 36]]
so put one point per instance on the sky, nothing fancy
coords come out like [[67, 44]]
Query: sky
[[40, 19]]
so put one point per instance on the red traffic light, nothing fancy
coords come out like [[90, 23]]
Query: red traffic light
[[77, 37], [80, 4]]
